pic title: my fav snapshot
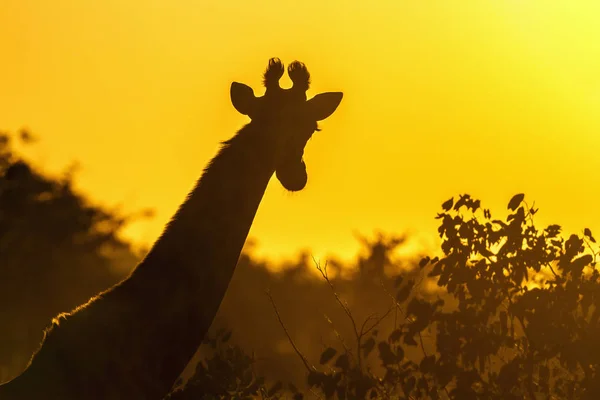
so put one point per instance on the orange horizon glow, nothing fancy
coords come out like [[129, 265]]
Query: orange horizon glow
[[440, 98]]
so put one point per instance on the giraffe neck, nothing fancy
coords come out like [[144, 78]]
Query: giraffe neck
[[135, 339]]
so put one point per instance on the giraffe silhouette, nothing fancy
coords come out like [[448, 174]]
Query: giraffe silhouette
[[134, 340]]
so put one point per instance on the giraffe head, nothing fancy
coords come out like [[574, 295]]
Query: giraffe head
[[288, 118]]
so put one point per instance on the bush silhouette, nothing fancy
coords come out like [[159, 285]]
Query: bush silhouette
[[228, 373], [515, 317]]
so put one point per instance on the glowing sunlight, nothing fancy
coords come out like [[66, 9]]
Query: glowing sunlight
[[440, 98]]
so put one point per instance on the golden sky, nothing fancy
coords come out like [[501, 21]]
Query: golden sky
[[442, 97]]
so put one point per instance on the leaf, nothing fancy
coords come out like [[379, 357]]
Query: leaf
[[427, 363], [315, 378], [395, 336], [408, 339], [409, 385], [533, 211], [509, 374], [515, 201], [579, 263], [386, 354], [368, 346], [329, 386], [461, 202], [447, 206], [404, 292], [342, 362], [327, 355], [422, 384], [437, 269], [588, 234], [399, 352]]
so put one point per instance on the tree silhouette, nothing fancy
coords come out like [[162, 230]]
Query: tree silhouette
[[56, 251]]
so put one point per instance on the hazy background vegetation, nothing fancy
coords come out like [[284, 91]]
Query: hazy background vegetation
[[57, 249], [505, 310]]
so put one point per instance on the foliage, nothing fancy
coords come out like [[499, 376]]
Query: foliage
[[523, 325], [228, 374], [56, 251], [516, 317]]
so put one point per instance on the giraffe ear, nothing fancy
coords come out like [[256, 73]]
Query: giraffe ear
[[324, 104], [242, 98]]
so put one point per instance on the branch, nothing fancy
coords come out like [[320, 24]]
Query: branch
[[364, 332], [323, 272], [339, 336], [304, 360]]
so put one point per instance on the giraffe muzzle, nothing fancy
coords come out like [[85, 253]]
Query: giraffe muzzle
[[292, 175]]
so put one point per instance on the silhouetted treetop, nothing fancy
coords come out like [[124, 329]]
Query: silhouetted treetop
[[56, 251]]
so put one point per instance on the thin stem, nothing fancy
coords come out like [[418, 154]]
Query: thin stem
[[304, 360], [323, 272]]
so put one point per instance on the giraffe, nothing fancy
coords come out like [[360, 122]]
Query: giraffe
[[133, 340]]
